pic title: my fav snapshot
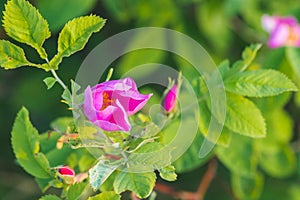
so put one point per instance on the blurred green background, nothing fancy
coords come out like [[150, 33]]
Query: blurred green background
[[222, 27]]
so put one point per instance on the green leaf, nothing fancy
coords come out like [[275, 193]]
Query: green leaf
[[243, 117], [50, 197], [67, 96], [223, 67], [75, 35], [49, 81], [189, 160], [62, 124], [204, 119], [269, 104], [140, 183], [24, 23], [99, 173], [293, 56], [248, 56], [59, 156], [149, 157], [12, 56], [239, 157], [281, 189], [279, 133], [26, 146], [259, 83], [277, 160], [108, 195], [44, 184], [75, 191], [247, 188], [85, 162], [108, 184], [168, 173]]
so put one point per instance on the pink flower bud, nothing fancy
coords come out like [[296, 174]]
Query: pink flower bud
[[67, 174], [66, 171], [170, 99]]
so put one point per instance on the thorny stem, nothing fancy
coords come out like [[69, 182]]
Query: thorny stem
[[56, 76], [202, 188]]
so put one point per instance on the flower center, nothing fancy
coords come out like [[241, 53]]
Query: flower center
[[107, 101], [293, 37]]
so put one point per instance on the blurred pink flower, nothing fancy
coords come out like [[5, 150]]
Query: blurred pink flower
[[109, 104], [81, 177], [284, 31], [170, 99]]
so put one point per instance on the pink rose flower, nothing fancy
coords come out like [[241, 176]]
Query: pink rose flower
[[109, 104], [284, 31], [170, 99]]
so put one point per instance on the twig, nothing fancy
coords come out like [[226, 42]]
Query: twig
[[134, 197], [207, 178], [203, 186], [165, 189]]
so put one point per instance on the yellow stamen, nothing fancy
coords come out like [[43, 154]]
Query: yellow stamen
[[106, 101]]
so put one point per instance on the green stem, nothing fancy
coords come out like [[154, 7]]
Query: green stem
[[58, 79], [56, 76]]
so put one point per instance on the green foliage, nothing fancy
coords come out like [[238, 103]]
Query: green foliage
[[277, 160], [75, 191], [190, 159], [44, 183], [168, 173], [239, 157], [293, 56], [247, 187], [24, 23], [259, 83], [108, 184], [149, 157], [109, 195], [75, 35], [277, 133], [49, 81], [59, 12], [239, 117], [12, 56], [204, 121], [214, 23], [50, 197], [26, 146], [99, 173], [139, 183], [279, 189], [248, 56], [244, 144]]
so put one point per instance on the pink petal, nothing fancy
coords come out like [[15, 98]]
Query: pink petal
[[113, 119], [279, 36], [132, 102], [66, 171], [268, 23], [88, 105], [170, 99]]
